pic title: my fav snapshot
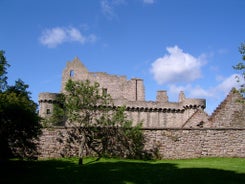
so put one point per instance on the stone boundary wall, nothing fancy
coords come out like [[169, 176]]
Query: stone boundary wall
[[170, 143], [196, 143]]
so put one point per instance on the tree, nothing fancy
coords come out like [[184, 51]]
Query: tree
[[241, 67], [3, 71], [95, 124], [19, 121]]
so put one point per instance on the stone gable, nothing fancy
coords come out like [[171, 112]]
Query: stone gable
[[230, 112]]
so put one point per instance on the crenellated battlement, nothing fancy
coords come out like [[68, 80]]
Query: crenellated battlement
[[194, 103], [186, 112], [131, 94], [47, 97]]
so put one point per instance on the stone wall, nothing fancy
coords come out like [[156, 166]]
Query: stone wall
[[195, 143], [170, 143]]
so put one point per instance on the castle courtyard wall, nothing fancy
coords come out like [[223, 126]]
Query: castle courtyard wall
[[171, 143]]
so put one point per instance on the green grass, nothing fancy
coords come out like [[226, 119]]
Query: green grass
[[205, 170]]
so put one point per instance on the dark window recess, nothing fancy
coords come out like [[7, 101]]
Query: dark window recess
[[104, 91], [48, 111], [72, 73], [200, 124]]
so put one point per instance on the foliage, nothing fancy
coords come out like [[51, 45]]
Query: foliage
[[19, 122], [241, 67], [95, 124], [3, 71]]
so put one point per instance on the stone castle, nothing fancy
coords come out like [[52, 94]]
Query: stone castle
[[177, 129], [187, 112]]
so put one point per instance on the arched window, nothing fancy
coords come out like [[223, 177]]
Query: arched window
[[72, 73]]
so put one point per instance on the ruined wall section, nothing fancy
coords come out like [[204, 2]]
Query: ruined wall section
[[117, 86], [74, 70], [230, 112]]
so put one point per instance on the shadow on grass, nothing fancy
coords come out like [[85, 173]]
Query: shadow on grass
[[53, 171]]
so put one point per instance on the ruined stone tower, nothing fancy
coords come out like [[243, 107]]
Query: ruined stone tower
[[117, 86], [46, 101]]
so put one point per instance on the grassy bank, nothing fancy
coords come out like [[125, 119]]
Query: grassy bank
[[206, 170]]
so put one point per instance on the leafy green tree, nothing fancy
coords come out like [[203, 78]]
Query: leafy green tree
[[241, 67], [95, 124], [19, 121]]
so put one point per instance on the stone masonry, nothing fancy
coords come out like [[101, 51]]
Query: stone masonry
[[159, 113], [169, 143], [176, 129]]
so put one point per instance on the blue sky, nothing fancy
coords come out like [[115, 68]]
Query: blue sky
[[174, 45]]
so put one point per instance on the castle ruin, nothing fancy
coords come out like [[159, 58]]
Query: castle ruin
[[177, 129], [131, 93]]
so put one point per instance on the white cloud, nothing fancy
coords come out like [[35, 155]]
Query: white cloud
[[58, 35], [177, 66], [53, 37], [223, 87], [108, 7], [118, 2], [227, 84], [193, 91], [148, 1], [198, 91], [75, 35], [174, 89]]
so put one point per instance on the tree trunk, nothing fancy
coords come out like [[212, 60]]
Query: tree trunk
[[80, 161], [82, 145]]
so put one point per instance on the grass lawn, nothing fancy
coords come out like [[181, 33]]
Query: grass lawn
[[205, 170]]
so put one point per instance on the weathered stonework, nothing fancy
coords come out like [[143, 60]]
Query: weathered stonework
[[230, 113], [131, 93], [176, 129], [195, 143], [170, 143]]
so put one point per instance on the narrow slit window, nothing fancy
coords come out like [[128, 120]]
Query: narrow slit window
[[104, 91]]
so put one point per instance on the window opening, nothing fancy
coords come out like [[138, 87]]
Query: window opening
[[200, 124], [72, 73], [104, 91], [48, 111]]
